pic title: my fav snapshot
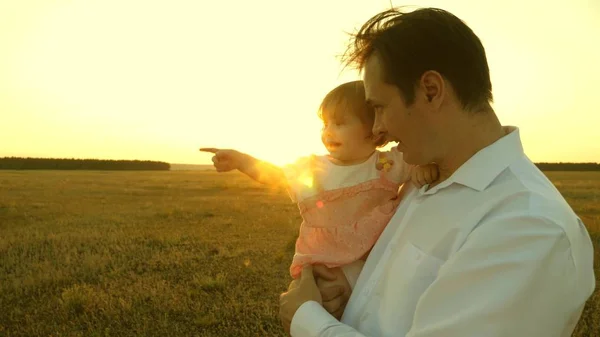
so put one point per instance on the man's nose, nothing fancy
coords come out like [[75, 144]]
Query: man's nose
[[378, 127]]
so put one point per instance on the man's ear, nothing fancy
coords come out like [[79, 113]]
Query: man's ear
[[432, 86]]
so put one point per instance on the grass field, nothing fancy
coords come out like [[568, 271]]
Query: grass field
[[166, 253]]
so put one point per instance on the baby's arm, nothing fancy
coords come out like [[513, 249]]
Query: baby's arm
[[419, 174], [261, 171], [424, 174]]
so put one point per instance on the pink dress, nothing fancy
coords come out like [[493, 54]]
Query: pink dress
[[344, 208]]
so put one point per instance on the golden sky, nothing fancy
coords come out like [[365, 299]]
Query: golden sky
[[156, 80]]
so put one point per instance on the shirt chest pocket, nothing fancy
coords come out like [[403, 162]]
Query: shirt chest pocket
[[410, 271]]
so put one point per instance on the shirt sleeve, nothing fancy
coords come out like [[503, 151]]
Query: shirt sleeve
[[514, 276], [400, 171], [312, 320]]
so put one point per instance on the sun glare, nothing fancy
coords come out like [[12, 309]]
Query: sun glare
[[306, 179], [154, 80]]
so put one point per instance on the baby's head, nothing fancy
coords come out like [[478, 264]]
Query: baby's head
[[348, 123]]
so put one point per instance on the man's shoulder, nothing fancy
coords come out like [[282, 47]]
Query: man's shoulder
[[522, 182], [530, 199], [525, 192]]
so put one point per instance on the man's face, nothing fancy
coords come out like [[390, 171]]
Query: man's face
[[406, 125]]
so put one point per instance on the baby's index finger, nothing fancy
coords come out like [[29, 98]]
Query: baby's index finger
[[209, 149]]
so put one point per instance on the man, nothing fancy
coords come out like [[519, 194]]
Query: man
[[491, 249]]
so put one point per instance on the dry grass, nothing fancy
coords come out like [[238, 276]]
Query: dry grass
[[165, 253]]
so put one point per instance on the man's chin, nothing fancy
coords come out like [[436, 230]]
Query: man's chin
[[398, 147], [411, 159]]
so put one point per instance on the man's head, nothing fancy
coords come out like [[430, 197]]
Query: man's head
[[420, 67]]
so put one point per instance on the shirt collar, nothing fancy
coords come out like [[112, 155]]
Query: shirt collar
[[482, 168]]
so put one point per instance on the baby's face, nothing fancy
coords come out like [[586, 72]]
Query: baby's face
[[347, 138]]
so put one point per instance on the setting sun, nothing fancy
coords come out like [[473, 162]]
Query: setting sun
[[157, 80]]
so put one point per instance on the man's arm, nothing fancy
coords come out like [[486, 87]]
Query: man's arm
[[301, 308], [311, 320], [515, 276]]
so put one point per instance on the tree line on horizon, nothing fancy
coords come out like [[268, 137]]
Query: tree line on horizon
[[568, 166], [18, 163]]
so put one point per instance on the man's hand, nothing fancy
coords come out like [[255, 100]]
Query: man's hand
[[225, 160], [300, 292], [424, 174], [334, 287], [293, 284]]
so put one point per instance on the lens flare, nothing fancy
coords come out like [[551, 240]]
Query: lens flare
[[306, 179]]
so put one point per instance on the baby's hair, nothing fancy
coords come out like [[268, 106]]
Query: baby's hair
[[348, 98]]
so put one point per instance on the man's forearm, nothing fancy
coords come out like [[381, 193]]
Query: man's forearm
[[312, 320]]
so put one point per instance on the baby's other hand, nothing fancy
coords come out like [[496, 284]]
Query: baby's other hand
[[424, 174]]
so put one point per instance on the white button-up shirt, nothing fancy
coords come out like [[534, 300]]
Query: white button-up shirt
[[492, 251]]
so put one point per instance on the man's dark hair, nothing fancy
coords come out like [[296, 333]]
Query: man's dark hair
[[411, 43]]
